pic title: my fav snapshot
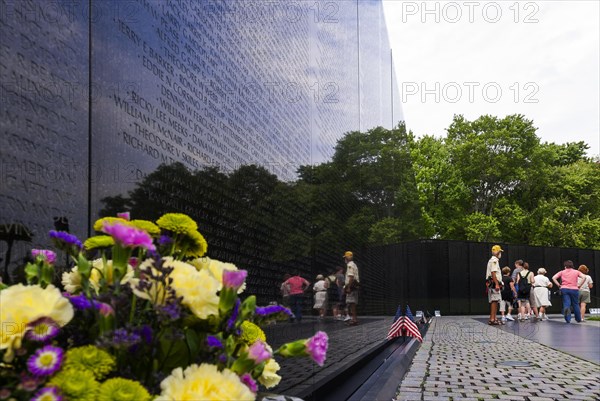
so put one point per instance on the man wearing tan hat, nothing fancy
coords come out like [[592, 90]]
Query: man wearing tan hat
[[493, 278], [351, 287]]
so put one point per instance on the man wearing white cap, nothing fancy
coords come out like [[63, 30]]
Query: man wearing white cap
[[493, 278], [351, 287]]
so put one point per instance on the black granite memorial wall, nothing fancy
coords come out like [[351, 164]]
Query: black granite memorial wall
[[448, 276], [201, 107]]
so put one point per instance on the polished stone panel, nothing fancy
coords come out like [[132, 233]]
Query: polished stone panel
[[43, 120]]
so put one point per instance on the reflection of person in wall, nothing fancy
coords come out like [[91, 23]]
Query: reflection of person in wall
[[493, 278], [285, 291], [320, 290], [297, 285], [351, 287], [340, 298]]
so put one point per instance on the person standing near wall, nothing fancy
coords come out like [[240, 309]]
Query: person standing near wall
[[285, 291], [493, 279], [509, 294], [340, 298], [584, 290], [569, 290], [541, 293], [525, 283], [320, 290], [351, 287], [297, 286]]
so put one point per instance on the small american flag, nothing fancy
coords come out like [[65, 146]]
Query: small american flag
[[411, 328], [405, 324]]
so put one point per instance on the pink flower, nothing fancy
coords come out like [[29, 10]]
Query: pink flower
[[234, 278], [249, 381], [129, 237], [48, 256], [124, 216], [258, 352], [316, 346], [105, 309]]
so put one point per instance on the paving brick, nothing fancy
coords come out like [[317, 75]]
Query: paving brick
[[464, 366]]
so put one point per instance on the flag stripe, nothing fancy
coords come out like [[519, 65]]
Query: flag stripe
[[395, 330]]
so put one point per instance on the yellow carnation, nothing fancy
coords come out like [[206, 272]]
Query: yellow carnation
[[269, 377], [198, 288], [204, 382], [71, 281], [216, 269], [99, 224], [22, 305], [101, 270]]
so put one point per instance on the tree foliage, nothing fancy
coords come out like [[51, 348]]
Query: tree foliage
[[490, 179]]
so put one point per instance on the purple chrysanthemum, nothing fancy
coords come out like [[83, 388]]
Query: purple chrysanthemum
[[66, 238], [234, 278], [124, 216], [214, 342], [47, 394], [249, 381], [42, 329], [234, 315], [46, 361], [258, 352], [48, 256], [271, 310], [316, 346], [129, 237]]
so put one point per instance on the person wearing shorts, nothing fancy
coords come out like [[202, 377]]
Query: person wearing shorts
[[584, 290], [494, 283], [351, 287]]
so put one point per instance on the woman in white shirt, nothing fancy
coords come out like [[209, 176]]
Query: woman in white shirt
[[320, 289], [540, 295], [584, 285]]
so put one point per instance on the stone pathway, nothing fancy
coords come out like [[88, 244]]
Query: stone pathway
[[460, 360]]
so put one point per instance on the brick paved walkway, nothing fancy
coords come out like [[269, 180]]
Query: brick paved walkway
[[459, 358]]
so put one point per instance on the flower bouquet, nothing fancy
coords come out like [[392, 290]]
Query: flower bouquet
[[143, 315]]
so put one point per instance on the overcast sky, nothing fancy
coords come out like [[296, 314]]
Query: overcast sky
[[540, 59]]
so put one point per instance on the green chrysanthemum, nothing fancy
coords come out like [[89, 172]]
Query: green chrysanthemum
[[147, 226], [92, 358], [119, 389], [251, 333], [195, 244], [177, 222], [98, 241], [76, 384], [109, 220]]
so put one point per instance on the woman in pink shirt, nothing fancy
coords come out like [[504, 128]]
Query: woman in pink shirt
[[296, 286], [569, 289]]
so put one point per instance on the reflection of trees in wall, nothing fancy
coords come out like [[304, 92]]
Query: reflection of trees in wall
[[490, 180]]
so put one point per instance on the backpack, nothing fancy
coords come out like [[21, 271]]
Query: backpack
[[524, 285]]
